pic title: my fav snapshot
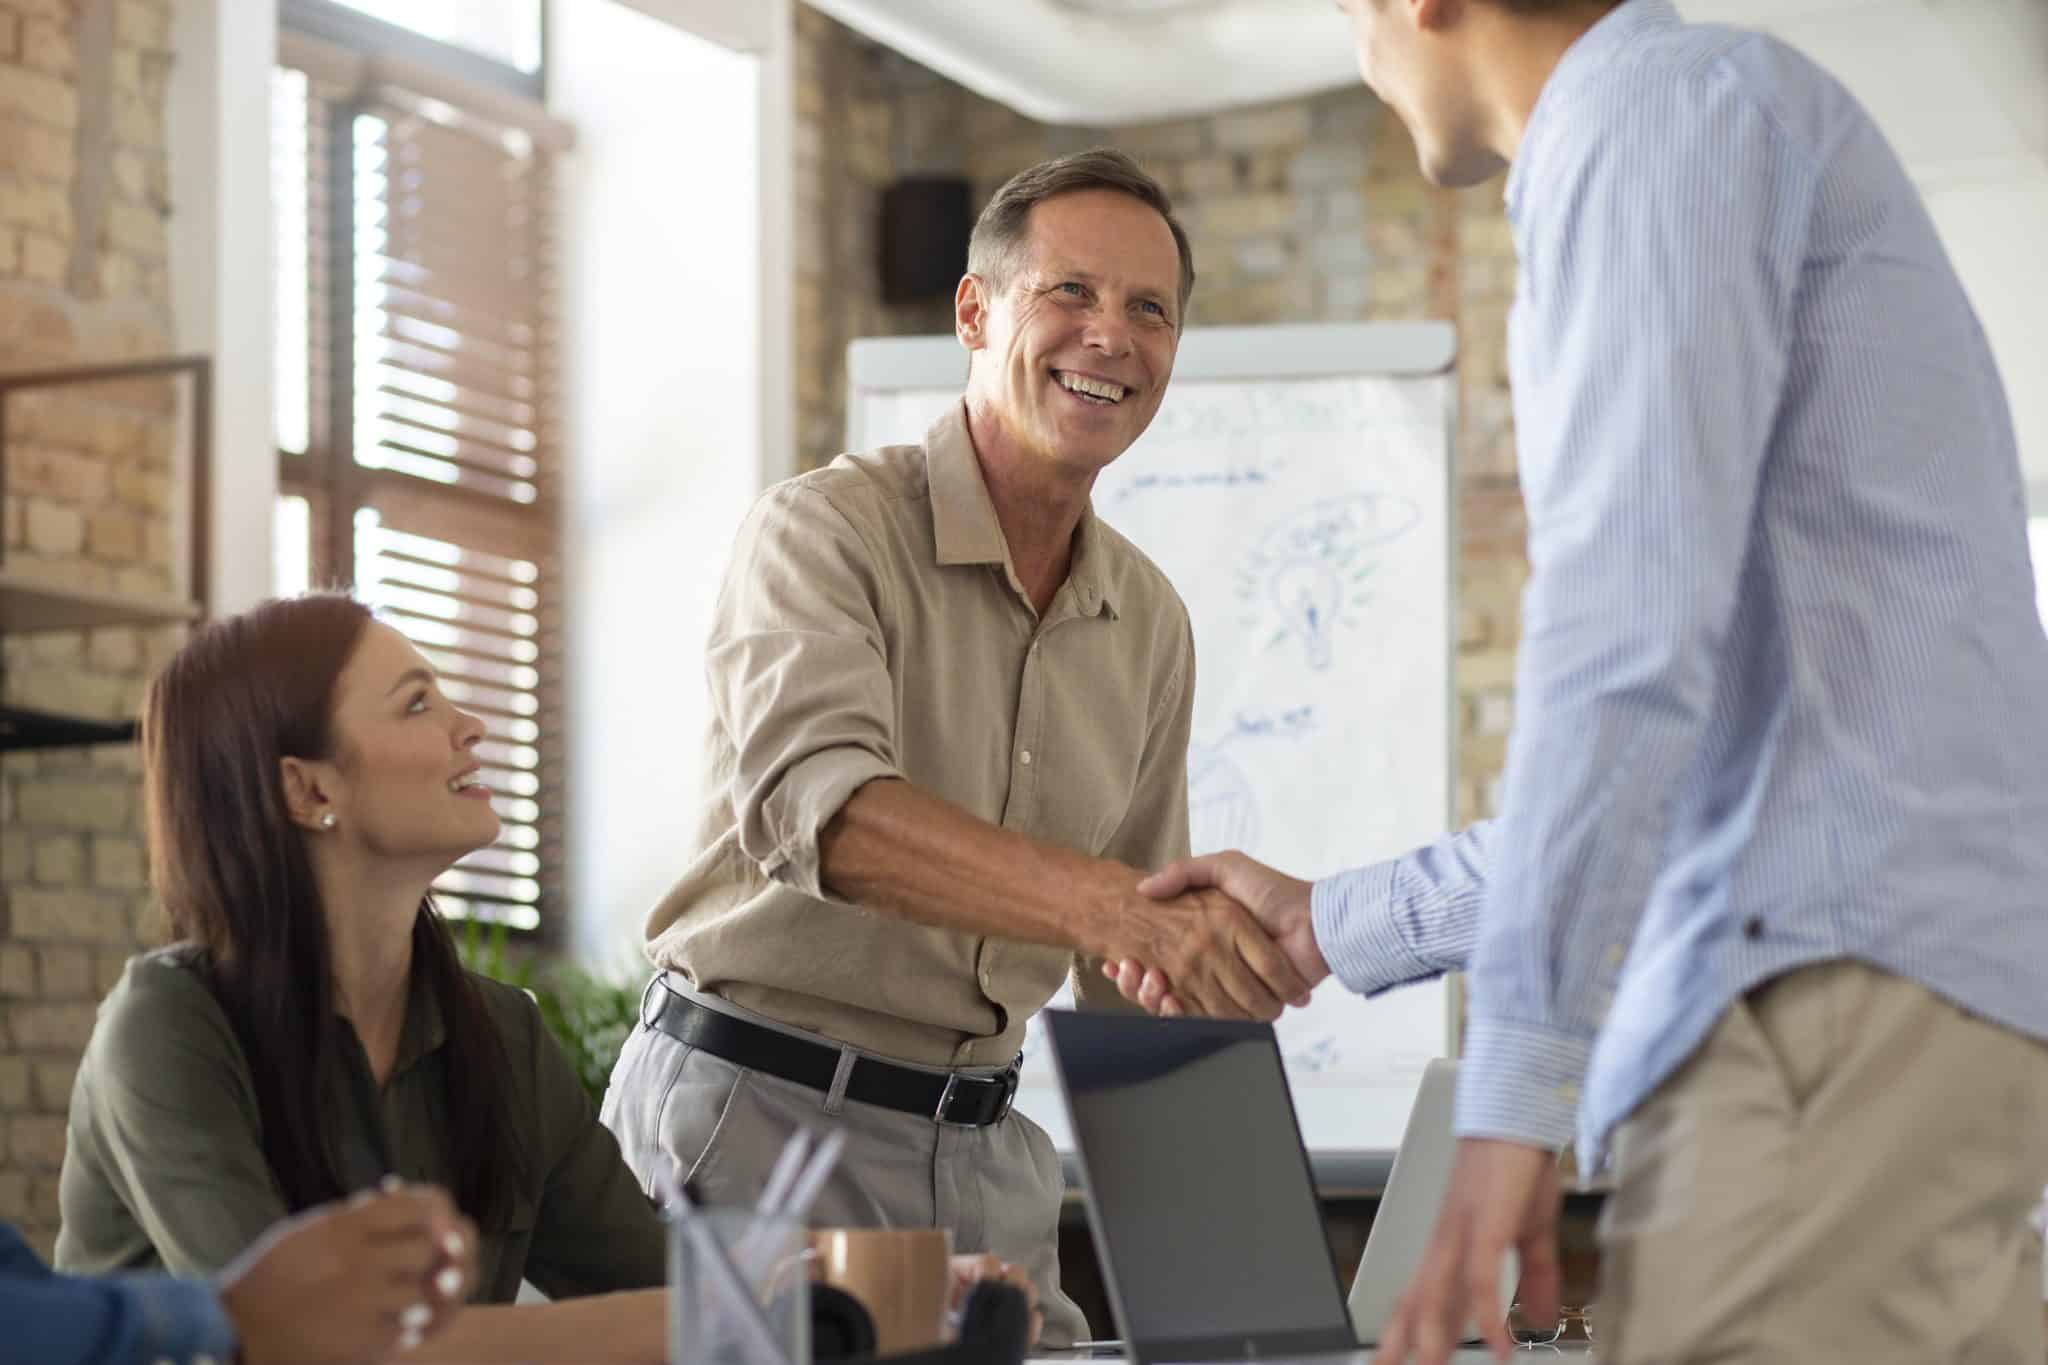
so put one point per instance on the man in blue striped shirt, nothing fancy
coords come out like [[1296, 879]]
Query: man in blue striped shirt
[[1766, 909]]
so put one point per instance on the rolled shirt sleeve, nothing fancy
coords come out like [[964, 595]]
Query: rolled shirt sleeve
[[798, 675], [596, 1230]]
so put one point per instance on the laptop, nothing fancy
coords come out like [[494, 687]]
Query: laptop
[[1408, 1208], [1202, 1204]]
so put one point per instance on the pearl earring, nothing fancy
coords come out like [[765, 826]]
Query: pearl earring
[[327, 820]]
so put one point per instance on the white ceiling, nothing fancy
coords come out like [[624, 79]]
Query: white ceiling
[[1948, 78], [1061, 63], [1959, 86]]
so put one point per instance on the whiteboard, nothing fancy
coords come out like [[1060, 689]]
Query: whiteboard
[[1296, 488]]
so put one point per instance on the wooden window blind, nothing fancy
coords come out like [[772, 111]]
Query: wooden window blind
[[418, 456]]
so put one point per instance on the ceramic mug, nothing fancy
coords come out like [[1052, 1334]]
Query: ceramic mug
[[902, 1276]]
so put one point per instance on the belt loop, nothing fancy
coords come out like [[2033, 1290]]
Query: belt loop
[[835, 1098], [652, 982]]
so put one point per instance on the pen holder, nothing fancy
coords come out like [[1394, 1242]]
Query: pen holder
[[739, 1291]]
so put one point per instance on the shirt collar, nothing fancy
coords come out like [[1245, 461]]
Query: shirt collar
[[424, 1029], [964, 521], [1094, 588], [1619, 29], [964, 524]]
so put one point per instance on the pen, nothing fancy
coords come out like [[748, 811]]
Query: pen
[[812, 1182], [784, 1174]]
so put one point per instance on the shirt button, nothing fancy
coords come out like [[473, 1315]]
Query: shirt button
[[1025, 758], [1614, 955], [1753, 928], [1568, 1093]]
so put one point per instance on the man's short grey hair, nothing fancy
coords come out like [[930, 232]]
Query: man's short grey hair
[[1004, 228]]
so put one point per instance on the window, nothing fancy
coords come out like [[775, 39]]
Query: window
[[490, 44], [414, 408], [507, 31]]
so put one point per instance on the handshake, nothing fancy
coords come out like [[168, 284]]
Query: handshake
[[1221, 935]]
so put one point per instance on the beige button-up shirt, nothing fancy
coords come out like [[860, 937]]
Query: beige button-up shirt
[[870, 626]]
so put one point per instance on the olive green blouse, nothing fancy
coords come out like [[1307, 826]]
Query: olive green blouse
[[165, 1169]]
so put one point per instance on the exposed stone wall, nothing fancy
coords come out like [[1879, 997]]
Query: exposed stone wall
[[84, 277], [850, 95], [1307, 210]]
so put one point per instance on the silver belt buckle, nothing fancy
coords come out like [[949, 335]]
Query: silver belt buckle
[[1008, 1080]]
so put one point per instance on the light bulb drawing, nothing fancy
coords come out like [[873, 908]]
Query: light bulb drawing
[[1311, 572], [1309, 595]]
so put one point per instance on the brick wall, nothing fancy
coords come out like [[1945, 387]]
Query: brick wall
[[84, 219], [1308, 210]]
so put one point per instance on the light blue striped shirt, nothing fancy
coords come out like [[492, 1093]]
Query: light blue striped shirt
[[1782, 694]]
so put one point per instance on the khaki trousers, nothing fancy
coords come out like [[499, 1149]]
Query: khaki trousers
[[1841, 1175], [997, 1188]]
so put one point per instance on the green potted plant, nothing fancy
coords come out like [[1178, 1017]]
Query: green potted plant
[[588, 1014]]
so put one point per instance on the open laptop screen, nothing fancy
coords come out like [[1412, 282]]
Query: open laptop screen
[[1198, 1187]]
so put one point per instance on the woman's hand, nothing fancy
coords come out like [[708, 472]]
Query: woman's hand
[[350, 1282]]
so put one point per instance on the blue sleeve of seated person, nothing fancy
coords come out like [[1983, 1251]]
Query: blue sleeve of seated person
[[106, 1320]]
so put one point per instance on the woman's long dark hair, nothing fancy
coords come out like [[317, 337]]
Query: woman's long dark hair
[[233, 874]]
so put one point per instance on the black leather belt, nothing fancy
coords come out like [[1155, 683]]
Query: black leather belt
[[943, 1097]]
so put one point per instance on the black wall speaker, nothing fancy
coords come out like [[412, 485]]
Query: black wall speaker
[[925, 224]]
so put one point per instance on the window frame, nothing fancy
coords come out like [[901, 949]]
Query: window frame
[[331, 22], [327, 473]]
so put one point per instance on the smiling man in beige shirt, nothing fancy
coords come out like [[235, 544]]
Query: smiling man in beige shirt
[[951, 712]]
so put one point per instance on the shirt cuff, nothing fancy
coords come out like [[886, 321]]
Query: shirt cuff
[[1520, 1083], [1359, 933], [182, 1319], [818, 787]]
